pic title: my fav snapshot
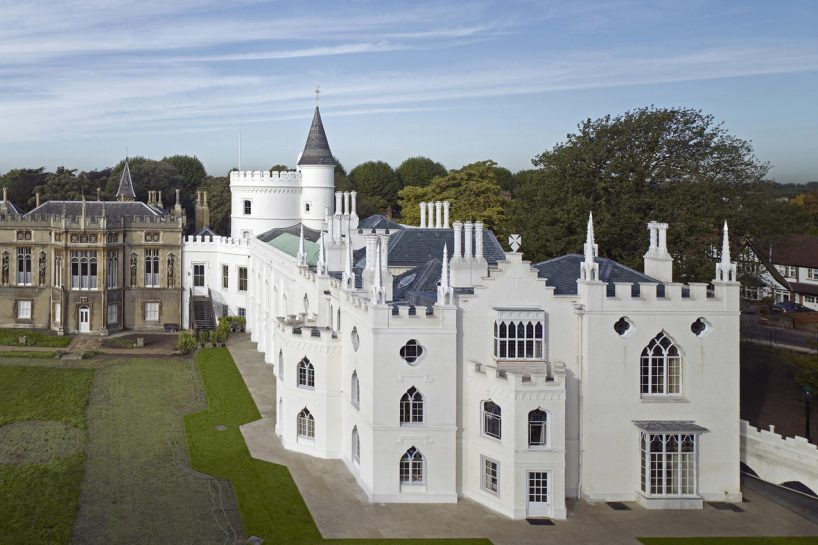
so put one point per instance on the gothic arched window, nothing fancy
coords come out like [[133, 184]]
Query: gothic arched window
[[661, 367]]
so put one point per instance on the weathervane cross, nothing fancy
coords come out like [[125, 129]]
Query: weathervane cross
[[317, 93]]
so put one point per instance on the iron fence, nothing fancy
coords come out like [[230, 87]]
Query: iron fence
[[774, 332]]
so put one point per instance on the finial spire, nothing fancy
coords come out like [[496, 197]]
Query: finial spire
[[725, 269], [317, 94], [445, 292], [725, 245], [589, 269], [378, 293], [302, 256], [322, 257], [348, 278]]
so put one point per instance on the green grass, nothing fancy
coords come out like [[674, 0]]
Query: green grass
[[119, 342], [11, 337], [28, 354], [729, 540], [271, 506], [38, 502]]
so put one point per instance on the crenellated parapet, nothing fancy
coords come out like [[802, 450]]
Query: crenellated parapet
[[264, 177], [202, 241]]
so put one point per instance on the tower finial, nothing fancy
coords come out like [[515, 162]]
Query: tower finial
[[725, 245], [725, 269], [317, 94], [302, 256], [589, 269], [322, 257], [378, 293], [444, 290], [348, 278]]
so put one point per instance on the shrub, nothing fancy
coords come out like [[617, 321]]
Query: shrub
[[204, 337], [186, 343], [219, 335]]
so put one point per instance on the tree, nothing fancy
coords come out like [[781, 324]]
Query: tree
[[419, 171], [148, 174], [65, 185], [675, 165], [190, 169], [218, 200], [472, 191], [505, 179], [375, 179], [279, 168], [342, 182], [22, 183]]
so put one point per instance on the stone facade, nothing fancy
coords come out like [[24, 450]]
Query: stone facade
[[91, 267]]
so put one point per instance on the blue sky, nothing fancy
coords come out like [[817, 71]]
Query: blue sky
[[455, 81]]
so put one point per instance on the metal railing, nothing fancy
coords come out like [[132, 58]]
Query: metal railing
[[777, 333]]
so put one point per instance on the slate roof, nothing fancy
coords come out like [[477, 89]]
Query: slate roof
[[316, 150], [412, 247], [420, 282], [125, 184], [295, 230], [379, 221], [796, 250], [678, 426], [114, 210], [205, 232], [563, 272]]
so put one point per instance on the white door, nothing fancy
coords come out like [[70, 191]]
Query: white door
[[538, 504], [85, 320], [199, 287]]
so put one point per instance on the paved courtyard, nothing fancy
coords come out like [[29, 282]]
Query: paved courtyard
[[341, 510]]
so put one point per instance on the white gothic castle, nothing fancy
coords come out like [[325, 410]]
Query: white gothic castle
[[438, 366]]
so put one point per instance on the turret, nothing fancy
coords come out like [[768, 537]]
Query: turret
[[317, 167], [125, 191]]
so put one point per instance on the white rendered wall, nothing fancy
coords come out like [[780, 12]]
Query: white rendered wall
[[317, 190], [275, 201], [778, 459]]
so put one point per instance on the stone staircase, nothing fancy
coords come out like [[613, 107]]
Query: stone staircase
[[202, 313]]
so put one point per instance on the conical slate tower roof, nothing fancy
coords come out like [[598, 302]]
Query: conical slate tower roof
[[125, 191], [316, 150]]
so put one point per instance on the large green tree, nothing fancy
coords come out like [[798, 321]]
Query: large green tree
[[150, 175], [419, 171], [472, 191], [190, 170], [675, 165], [66, 185], [22, 183], [377, 185], [218, 200]]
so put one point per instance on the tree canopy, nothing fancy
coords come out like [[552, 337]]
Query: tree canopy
[[22, 184], [675, 165], [218, 200], [419, 171], [472, 191], [377, 186]]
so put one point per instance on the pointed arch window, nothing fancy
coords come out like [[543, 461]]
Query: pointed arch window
[[411, 467], [492, 419], [305, 424], [306, 374], [356, 445], [661, 367], [355, 390], [411, 407], [537, 428]]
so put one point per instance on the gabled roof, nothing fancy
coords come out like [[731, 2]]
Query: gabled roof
[[125, 184], [413, 247], [316, 150], [795, 250], [379, 221], [563, 272], [205, 232]]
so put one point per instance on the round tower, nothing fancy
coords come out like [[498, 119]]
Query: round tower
[[317, 168]]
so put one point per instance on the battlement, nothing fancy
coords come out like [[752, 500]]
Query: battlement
[[240, 177], [202, 241], [542, 376], [89, 222]]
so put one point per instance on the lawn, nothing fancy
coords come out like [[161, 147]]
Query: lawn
[[11, 337], [729, 540], [38, 501], [270, 504], [27, 354]]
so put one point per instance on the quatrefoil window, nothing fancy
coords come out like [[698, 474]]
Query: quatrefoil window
[[411, 352]]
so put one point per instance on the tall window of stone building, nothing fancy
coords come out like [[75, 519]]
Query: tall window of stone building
[[668, 464], [305, 424], [248, 207], [661, 367], [518, 339], [242, 278], [113, 313], [23, 266], [152, 268], [411, 467], [411, 407], [112, 272], [152, 312], [537, 428], [83, 270], [225, 276], [57, 271], [306, 374], [492, 419], [198, 275]]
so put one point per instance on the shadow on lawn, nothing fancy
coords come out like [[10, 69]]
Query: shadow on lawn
[[270, 504]]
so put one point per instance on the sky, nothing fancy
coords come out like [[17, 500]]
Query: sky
[[233, 82]]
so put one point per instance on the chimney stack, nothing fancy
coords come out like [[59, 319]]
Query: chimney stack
[[457, 254], [445, 214], [338, 205], [438, 218], [423, 214], [478, 241], [37, 199], [467, 242]]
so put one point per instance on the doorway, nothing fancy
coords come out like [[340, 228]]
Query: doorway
[[538, 504], [85, 320]]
